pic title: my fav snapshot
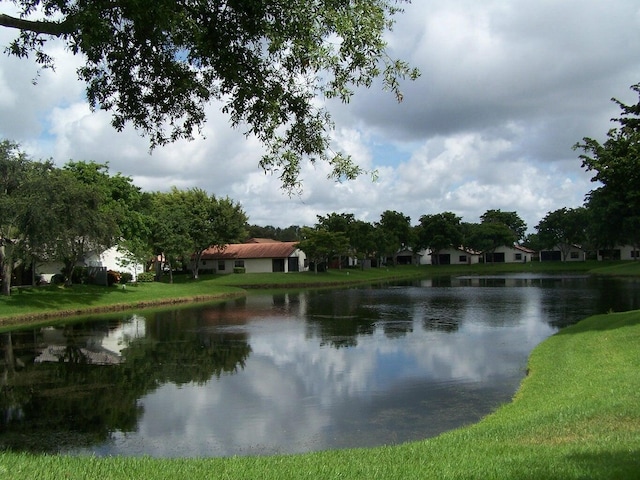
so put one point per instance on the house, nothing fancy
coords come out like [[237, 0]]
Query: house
[[574, 254], [619, 252], [110, 259], [406, 256], [255, 256], [509, 254], [455, 256]]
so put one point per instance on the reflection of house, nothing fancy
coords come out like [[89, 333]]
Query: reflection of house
[[59, 353], [509, 254], [574, 254], [455, 256], [255, 256], [619, 252]]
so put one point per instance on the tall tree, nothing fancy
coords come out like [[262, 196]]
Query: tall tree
[[394, 232], [157, 64], [169, 236], [81, 216], [16, 170], [190, 221], [439, 231], [362, 237], [615, 204], [225, 223], [486, 237], [562, 229], [320, 245], [338, 223], [511, 219]]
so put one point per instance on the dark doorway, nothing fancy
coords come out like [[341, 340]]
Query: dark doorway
[[495, 257], [444, 259], [294, 264], [551, 256]]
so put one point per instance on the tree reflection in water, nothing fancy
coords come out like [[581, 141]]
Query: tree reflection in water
[[75, 392]]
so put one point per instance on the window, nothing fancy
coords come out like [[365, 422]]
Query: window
[[635, 254], [575, 255], [238, 264], [220, 264], [462, 259], [518, 256]]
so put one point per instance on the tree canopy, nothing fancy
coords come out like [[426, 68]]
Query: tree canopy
[[156, 65], [510, 219], [563, 228], [615, 204], [439, 231]]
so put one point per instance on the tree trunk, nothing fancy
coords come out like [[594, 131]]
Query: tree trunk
[[9, 358], [170, 271], [6, 270], [67, 272], [194, 266]]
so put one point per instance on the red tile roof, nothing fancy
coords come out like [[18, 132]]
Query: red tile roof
[[236, 251]]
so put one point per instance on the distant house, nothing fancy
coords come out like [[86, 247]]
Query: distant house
[[110, 259], [574, 254], [406, 256], [455, 256], [509, 254], [255, 256], [619, 252]]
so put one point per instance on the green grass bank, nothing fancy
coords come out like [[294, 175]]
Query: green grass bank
[[575, 416]]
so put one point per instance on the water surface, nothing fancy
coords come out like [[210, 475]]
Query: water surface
[[291, 372]]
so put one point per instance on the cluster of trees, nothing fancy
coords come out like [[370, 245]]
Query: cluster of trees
[[610, 215], [63, 214], [341, 234]]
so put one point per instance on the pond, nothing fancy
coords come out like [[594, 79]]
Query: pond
[[289, 372]]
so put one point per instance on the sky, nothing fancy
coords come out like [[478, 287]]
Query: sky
[[506, 89]]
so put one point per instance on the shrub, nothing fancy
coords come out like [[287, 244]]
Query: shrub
[[125, 277], [79, 275], [57, 279], [238, 270], [146, 277]]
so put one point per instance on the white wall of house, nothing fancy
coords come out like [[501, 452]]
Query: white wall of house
[[111, 259], [627, 252], [576, 254], [514, 255], [46, 270], [458, 257], [251, 265], [425, 257]]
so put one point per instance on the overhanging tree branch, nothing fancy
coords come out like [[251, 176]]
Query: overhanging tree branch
[[37, 26], [157, 65]]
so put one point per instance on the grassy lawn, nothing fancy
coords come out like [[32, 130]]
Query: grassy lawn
[[27, 305], [575, 416]]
